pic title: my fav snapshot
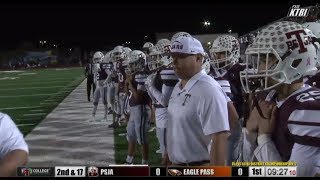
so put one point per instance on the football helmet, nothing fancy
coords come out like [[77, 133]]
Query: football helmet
[[282, 51], [160, 55], [225, 44], [127, 51], [314, 27], [107, 57], [118, 53], [98, 57], [136, 62], [146, 47]]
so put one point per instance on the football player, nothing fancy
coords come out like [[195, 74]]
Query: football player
[[100, 77], [139, 101], [225, 54], [285, 124], [233, 140], [314, 27], [159, 86], [118, 78]]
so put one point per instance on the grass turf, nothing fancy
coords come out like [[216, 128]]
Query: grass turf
[[24, 95]]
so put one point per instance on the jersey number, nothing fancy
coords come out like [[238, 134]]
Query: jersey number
[[309, 96], [120, 77]]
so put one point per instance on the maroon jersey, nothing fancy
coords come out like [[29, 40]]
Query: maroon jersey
[[233, 76], [298, 121], [314, 80], [138, 83], [121, 76]]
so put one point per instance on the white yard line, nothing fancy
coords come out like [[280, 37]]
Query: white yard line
[[26, 107], [49, 100], [11, 71], [23, 74], [34, 114], [44, 82], [37, 110], [25, 125], [28, 95], [9, 78], [47, 87], [27, 119]]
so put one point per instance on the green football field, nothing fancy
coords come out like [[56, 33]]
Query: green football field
[[29, 95]]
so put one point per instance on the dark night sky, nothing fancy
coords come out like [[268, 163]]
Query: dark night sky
[[93, 25]]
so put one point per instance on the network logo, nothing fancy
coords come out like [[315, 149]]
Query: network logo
[[26, 171], [296, 11]]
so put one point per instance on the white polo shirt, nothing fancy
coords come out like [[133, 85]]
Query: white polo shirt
[[194, 113], [10, 136]]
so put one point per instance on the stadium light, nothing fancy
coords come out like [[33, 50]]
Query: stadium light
[[206, 23]]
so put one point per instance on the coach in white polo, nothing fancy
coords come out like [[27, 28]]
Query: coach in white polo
[[197, 110], [13, 148]]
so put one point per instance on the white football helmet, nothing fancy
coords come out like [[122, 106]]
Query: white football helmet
[[225, 44], [127, 51], [147, 45], [282, 51], [98, 57], [160, 55], [136, 62], [178, 34], [314, 27], [206, 63], [152, 60], [118, 53], [107, 57]]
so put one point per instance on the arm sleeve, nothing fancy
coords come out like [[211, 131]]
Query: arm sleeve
[[11, 137], [162, 98]]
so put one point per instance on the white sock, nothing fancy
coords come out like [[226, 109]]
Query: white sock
[[129, 159]]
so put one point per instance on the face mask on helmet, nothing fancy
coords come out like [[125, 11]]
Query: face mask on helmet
[[118, 53], [137, 61], [281, 53], [163, 47], [154, 62], [225, 51], [206, 63], [313, 28]]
